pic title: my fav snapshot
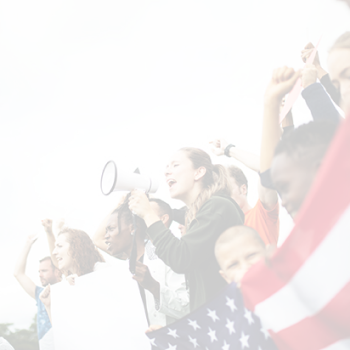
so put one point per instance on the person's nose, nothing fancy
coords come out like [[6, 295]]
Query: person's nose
[[167, 171]]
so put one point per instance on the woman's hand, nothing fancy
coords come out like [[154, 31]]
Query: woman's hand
[[47, 223], [59, 224], [71, 279], [282, 82], [218, 146], [308, 75], [140, 205], [45, 296]]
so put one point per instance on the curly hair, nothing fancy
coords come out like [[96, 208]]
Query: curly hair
[[215, 181], [83, 252]]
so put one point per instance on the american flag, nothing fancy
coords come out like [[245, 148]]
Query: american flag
[[222, 324], [303, 296]]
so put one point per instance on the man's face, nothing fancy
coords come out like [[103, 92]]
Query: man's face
[[118, 242], [47, 273], [239, 193], [292, 180], [164, 218], [236, 257]]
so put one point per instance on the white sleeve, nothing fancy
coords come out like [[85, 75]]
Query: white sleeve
[[100, 266], [5, 345]]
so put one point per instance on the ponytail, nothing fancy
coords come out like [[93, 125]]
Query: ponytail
[[215, 181]]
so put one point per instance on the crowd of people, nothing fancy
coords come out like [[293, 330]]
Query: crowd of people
[[222, 234]]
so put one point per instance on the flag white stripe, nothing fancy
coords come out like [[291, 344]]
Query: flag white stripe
[[340, 345], [315, 284]]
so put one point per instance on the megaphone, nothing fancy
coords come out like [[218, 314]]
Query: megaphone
[[115, 179]]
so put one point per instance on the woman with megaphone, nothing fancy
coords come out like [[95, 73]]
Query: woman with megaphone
[[205, 189]]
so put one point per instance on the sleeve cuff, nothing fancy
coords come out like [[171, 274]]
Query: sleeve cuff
[[311, 89]]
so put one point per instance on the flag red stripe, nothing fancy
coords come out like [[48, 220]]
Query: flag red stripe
[[323, 329], [319, 213], [259, 283]]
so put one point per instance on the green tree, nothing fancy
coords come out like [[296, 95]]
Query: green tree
[[20, 339]]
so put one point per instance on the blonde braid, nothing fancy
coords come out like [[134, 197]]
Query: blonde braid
[[215, 181]]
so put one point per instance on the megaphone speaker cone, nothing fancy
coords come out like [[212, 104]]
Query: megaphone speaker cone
[[114, 179], [109, 178]]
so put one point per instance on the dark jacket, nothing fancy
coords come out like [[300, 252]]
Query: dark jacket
[[193, 255]]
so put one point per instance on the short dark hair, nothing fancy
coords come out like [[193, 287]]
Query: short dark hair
[[164, 208], [238, 175], [308, 137], [48, 258]]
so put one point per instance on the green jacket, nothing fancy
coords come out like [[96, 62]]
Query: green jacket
[[193, 255]]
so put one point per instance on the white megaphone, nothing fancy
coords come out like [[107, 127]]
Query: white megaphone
[[114, 179]]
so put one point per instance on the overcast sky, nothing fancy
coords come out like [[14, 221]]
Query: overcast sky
[[83, 82]]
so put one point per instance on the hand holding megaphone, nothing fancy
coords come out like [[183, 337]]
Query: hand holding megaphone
[[139, 204], [116, 179]]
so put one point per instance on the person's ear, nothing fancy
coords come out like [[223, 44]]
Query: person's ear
[[243, 189], [222, 274], [165, 219], [199, 173], [132, 229]]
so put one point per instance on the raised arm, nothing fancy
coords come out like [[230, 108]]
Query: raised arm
[[316, 98], [268, 197], [282, 82], [322, 75], [249, 159], [305, 54], [47, 224], [20, 269]]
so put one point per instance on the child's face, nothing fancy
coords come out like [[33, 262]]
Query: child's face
[[238, 256], [292, 180]]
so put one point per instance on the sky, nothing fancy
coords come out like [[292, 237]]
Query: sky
[[84, 82]]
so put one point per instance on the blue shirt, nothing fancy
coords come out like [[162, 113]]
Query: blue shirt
[[42, 320]]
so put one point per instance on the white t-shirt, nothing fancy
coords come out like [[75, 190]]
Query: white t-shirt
[[5, 345]]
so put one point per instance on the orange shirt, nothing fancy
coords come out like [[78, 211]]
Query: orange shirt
[[265, 222]]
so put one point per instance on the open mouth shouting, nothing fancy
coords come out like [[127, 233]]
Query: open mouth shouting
[[171, 182], [59, 261]]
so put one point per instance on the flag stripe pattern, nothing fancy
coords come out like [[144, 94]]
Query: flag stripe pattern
[[303, 296]]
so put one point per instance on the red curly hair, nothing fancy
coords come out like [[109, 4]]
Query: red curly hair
[[83, 252]]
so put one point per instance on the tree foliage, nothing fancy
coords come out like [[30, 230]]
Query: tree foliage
[[20, 339]]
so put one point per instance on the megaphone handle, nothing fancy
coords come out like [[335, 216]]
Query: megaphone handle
[[133, 255]]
